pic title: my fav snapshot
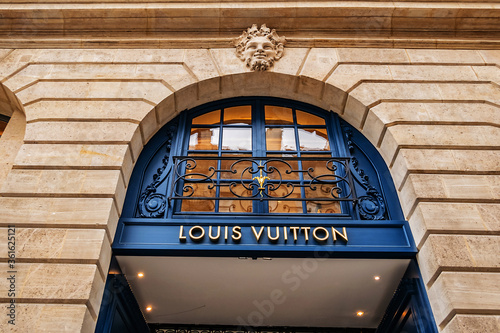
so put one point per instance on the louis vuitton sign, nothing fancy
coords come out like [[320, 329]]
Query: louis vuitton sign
[[267, 234]]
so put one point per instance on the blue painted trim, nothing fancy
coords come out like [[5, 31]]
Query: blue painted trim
[[374, 239], [138, 176], [383, 175], [118, 299], [409, 305]]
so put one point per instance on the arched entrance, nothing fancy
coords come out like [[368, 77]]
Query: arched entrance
[[262, 212]]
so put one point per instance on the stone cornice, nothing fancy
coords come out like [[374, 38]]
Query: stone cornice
[[192, 43], [214, 24]]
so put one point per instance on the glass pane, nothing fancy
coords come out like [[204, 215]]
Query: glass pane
[[313, 139], [280, 139], [198, 190], [318, 167], [204, 139], [238, 169], [237, 205], [282, 169], [285, 206], [322, 207], [277, 115], [198, 168], [238, 115], [304, 118], [236, 138], [210, 118]]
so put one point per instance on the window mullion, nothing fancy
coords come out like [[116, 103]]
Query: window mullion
[[259, 145]]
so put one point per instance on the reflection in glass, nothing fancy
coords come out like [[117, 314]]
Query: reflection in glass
[[238, 115], [313, 139], [280, 139], [282, 168], [277, 115], [199, 190], [235, 206], [238, 167], [200, 168], [322, 207], [304, 118], [316, 168], [204, 139], [285, 206], [210, 118], [236, 138]]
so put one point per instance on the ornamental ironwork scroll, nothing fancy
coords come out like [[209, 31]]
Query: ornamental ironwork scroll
[[262, 178], [151, 203], [371, 205]]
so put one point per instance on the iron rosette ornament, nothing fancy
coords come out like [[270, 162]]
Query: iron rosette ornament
[[259, 48]]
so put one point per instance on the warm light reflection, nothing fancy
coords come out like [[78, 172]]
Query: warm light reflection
[[140, 275], [360, 313], [376, 278], [149, 308]]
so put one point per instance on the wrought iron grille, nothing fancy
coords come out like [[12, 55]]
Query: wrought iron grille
[[319, 180]]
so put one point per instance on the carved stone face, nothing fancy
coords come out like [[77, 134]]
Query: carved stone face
[[259, 48], [260, 53]]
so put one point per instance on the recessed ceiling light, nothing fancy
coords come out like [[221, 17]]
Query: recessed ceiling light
[[376, 277], [149, 308], [360, 313], [140, 274]]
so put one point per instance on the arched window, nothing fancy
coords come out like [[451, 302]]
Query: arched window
[[260, 156]]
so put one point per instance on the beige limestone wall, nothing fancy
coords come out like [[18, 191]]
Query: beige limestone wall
[[433, 115]]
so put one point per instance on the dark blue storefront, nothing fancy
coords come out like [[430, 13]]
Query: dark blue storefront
[[259, 179]]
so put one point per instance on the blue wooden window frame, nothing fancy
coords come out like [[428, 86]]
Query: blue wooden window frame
[[258, 128]]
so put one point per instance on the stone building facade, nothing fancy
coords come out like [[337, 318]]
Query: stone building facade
[[87, 84]]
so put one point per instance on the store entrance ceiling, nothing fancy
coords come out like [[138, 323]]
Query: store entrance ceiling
[[293, 292]]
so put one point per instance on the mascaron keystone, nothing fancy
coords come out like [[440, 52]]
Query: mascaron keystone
[[259, 48]]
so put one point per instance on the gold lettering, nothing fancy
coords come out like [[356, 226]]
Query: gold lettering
[[200, 236], [306, 232], [182, 238], [273, 239], [285, 234], [225, 233], [295, 230], [257, 235], [237, 231], [320, 239], [213, 238], [335, 232]]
